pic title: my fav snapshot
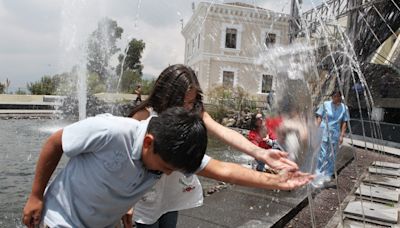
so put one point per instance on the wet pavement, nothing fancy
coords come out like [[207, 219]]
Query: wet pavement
[[236, 206]]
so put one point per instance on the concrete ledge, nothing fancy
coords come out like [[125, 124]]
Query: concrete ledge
[[20, 98]]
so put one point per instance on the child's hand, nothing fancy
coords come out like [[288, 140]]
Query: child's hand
[[277, 159], [32, 213], [266, 138], [292, 180], [127, 219]]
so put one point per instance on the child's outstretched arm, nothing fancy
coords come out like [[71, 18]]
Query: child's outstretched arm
[[49, 157], [237, 174], [274, 158]]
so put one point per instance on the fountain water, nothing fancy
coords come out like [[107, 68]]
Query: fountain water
[[297, 68]]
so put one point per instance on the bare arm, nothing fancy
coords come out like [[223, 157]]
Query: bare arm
[[50, 155], [274, 158], [237, 174], [141, 115], [342, 131]]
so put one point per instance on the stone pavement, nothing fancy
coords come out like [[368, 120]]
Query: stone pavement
[[375, 200], [237, 206]]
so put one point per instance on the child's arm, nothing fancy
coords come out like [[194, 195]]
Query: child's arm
[[49, 157], [274, 158], [237, 174]]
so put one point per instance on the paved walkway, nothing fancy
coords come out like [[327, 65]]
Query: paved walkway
[[374, 146], [375, 200], [238, 206]]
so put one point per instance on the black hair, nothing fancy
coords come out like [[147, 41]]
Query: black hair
[[335, 91], [253, 121], [180, 138], [170, 89]]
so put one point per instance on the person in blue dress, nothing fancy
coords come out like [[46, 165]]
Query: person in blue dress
[[332, 117]]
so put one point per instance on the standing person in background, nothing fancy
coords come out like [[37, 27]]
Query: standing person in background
[[138, 92], [332, 117], [177, 85]]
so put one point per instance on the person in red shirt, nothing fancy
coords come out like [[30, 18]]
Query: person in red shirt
[[272, 124], [258, 136]]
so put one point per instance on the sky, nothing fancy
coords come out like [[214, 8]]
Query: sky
[[46, 37]]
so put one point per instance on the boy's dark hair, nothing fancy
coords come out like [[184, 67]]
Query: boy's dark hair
[[180, 138], [170, 89]]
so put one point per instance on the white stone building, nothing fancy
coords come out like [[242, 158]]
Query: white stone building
[[223, 43]]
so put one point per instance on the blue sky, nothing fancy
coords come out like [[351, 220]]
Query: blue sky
[[44, 37]]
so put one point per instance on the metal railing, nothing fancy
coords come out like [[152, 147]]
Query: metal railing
[[373, 129]]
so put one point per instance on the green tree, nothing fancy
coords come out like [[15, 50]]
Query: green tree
[[131, 66], [46, 86], [229, 99], [2, 88], [220, 97], [129, 80], [102, 46], [133, 55], [65, 83], [95, 85], [148, 85]]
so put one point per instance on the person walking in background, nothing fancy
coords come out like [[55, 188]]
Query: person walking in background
[[332, 117], [138, 92]]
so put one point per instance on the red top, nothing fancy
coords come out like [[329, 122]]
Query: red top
[[256, 138], [272, 124]]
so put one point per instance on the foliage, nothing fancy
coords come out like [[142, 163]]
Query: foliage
[[129, 80], [147, 86], [228, 99], [102, 47], [133, 55], [58, 84], [101, 76], [94, 84], [131, 66], [219, 96], [45, 86], [65, 83], [2, 88]]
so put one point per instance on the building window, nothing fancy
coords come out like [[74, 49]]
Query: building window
[[230, 38], [266, 85], [227, 79], [270, 39]]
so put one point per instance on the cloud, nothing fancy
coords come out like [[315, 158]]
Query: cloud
[[32, 31], [163, 47]]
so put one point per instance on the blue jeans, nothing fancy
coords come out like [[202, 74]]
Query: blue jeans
[[167, 220], [260, 165], [327, 158]]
